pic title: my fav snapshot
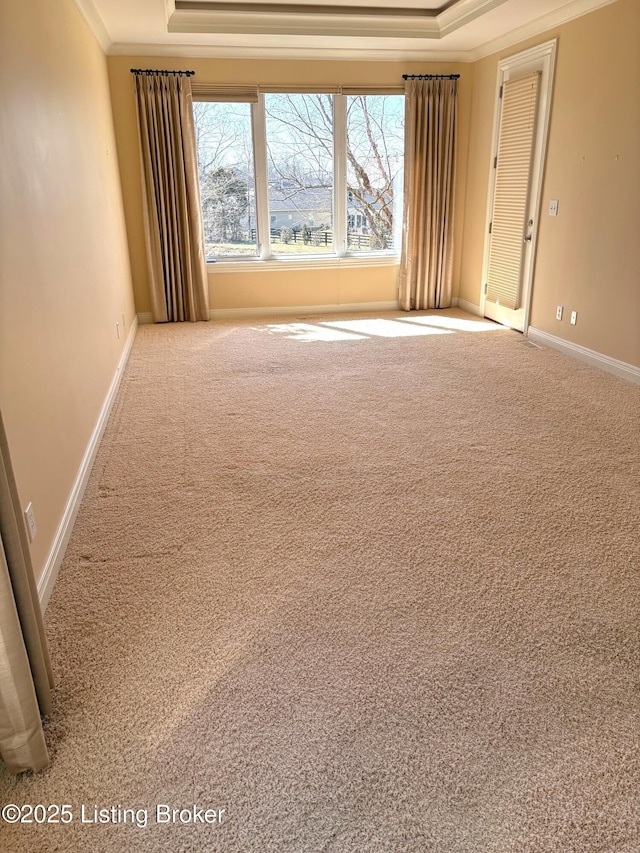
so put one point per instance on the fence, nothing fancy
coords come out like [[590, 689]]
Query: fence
[[323, 238]]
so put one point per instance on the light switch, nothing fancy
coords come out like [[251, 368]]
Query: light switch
[[553, 207]]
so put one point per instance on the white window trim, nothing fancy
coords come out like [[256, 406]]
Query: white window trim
[[259, 123], [266, 259], [340, 175], [302, 262]]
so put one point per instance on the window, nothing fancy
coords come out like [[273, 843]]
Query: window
[[299, 137], [375, 148], [329, 172], [227, 178]]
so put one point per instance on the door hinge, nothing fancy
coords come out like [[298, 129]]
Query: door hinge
[[495, 162], [501, 88], [490, 227], [486, 287]]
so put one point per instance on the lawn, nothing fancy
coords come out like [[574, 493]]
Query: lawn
[[249, 250]]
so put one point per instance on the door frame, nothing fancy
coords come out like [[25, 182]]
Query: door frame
[[541, 58]]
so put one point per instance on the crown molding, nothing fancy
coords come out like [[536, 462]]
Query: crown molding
[[340, 24], [95, 23], [463, 12], [344, 54], [311, 19], [570, 12]]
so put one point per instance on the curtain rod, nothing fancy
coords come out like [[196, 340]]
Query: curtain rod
[[148, 72], [430, 76]]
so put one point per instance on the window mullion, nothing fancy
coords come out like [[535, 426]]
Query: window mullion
[[340, 175], [262, 182]]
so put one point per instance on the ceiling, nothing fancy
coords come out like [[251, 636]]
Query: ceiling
[[446, 30]]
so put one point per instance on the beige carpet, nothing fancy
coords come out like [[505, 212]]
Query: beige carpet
[[366, 584]]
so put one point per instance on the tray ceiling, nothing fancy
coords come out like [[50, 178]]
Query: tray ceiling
[[461, 30]]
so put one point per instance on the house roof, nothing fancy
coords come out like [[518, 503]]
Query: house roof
[[295, 199]]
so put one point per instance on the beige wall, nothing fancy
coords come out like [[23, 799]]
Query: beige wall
[[288, 287], [64, 272], [330, 286], [588, 258]]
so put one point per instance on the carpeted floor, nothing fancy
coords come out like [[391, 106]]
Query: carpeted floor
[[368, 585]]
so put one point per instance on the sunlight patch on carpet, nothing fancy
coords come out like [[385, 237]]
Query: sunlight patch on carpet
[[308, 332], [397, 327], [383, 328], [456, 323]]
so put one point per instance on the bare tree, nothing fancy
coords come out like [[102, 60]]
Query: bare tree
[[219, 134], [375, 144], [300, 140]]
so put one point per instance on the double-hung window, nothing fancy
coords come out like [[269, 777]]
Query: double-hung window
[[309, 174]]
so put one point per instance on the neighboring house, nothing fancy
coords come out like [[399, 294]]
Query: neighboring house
[[359, 213], [291, 207]]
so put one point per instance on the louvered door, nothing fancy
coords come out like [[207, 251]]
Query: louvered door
[[511, 225]]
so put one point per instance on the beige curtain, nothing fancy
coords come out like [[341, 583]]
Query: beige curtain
[[426, 263], [171, 198], [25, 671]]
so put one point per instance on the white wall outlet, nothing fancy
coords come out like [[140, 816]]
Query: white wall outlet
[[31, 522], [559, 310], [118, 329], [553, 207], [574, 318]]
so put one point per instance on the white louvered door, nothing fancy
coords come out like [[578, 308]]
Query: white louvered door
[[512, 218]]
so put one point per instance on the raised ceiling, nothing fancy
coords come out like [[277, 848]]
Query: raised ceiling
[[455, 30]]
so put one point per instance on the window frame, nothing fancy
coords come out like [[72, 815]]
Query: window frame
[[341, 256], [205, 98]]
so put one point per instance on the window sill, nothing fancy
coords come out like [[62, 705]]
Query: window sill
[[317, 262]]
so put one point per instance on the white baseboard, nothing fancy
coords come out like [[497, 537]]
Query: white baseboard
[[469, 307], [56, 554], [595, 359], [351, 308], [280, 311]]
